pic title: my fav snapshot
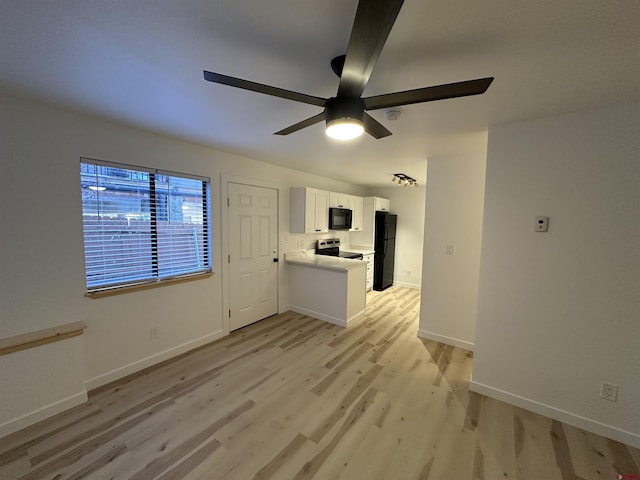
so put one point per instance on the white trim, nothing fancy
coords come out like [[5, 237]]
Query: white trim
[[609, 431], [284, 308], [30, 418], [456, 342], [225, 179], [408, 285], [327, 318], [151, 360]]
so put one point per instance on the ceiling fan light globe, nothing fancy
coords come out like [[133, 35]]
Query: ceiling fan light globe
[[344, 128]]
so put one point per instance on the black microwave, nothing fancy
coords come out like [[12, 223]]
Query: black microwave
[[340, 219]]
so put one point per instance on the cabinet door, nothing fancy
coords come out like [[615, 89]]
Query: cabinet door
[[310, 211], [382, 204], [357, 208], [334, 199], [321, 211], [339, 200], [369, 260]]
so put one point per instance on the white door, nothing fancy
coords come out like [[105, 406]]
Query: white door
[[253, 246]]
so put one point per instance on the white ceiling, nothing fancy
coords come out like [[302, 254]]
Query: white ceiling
[[141, 62]]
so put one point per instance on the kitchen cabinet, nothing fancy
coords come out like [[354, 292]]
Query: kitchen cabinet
[[382, 204], [309, 212], [357, 204], [340, 200], [369, 259], [370, 206], [327, 288]]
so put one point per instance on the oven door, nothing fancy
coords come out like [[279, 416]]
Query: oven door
[[340, 219]]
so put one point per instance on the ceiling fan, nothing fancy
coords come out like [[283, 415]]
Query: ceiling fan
[[346, 114]]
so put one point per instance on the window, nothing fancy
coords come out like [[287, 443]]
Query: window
[[142, 226]]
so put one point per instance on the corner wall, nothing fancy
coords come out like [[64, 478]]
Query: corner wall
[[559, 312], [453, 216]]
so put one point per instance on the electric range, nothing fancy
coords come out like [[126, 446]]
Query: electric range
[[331, 247]]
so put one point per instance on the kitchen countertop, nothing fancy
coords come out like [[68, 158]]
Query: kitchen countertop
[[304, 257]]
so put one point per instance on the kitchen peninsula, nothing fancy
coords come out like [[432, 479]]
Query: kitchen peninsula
[[332, 289]]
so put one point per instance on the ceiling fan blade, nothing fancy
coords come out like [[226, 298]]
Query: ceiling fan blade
[[261, 88], [371, 26], [374, 128], [428, 94], [303, 124]]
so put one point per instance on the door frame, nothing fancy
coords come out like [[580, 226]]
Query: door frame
[[225, 179]]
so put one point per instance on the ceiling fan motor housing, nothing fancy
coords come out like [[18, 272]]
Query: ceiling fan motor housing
[[338, 108]]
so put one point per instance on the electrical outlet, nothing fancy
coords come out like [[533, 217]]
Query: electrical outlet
[[451, 249], [154, 332], [609, 391], [542, 224]]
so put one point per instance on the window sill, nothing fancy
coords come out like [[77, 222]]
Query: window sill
[[121, 289]]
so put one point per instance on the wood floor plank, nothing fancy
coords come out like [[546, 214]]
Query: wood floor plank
[[338, 449], [335, 372], [623, 461], [455, 453], [292, 397], [276, 462], [495, 438], [372, 467], [347, 348], [191, 462], [418, 438], [362, 384], [162, 463], [534, 450]]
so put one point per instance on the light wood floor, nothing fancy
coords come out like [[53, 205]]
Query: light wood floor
[[292, 397]]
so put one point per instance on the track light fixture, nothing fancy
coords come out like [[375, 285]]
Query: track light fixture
[[404, 180]]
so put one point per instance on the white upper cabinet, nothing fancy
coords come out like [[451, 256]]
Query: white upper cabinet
[[340, 200], [357, 204], [309, 212], [382, 204], [365, 235], [322, 211]]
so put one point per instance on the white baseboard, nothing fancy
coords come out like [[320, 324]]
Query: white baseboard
[[415, 286], [284, 308], [456, 342], [150, 361], [626, 437], [327, 318], [30, 418]]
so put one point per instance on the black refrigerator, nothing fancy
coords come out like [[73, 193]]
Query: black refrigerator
[[385, 246]]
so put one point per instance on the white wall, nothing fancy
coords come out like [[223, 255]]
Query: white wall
[[559, 312], [41, 247], [408, 204], [453, 216]]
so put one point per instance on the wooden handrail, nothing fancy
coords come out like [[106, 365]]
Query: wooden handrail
[[40, 337]]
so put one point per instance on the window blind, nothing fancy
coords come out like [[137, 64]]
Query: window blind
[[142, 225]]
